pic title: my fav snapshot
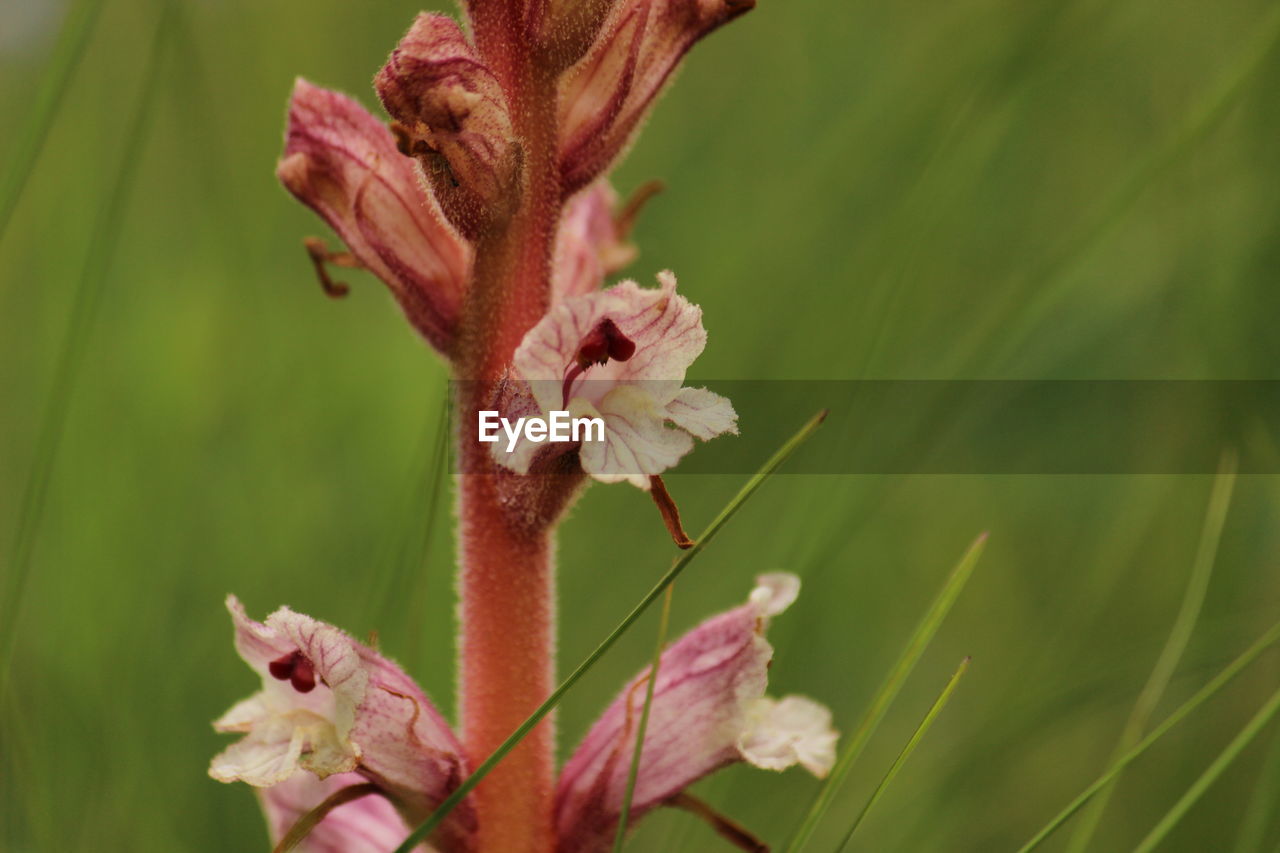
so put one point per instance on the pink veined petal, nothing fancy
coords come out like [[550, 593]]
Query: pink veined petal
[[367, 825], [667, 331], [707, 701], [607, 94], [594, 93], [637, 442], [665, 327], [703, 414], [342, 675], [343, 163], [409, 749], [549, 348]]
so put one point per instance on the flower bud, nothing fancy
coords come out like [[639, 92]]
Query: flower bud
[[451, 115]]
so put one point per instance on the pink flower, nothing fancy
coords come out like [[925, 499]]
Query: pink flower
[[709, 710], [343, 164], [331, 706], [605, 96], [620, 355]]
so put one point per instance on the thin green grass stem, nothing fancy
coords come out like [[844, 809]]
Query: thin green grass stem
[[1199, 698], [1176, 644], [624, 816], [1210, 775], [55, 80], [916, 737], [888, 691]]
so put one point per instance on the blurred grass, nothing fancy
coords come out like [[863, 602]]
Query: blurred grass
[[855, 190]]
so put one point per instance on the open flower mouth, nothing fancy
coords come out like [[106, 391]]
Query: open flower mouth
[[606, 341]]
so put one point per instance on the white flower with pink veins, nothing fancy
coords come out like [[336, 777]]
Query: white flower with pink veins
[[621, 355]]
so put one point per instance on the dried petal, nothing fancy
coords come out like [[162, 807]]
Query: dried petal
[[343, 164], [606, 95], [453, 118]]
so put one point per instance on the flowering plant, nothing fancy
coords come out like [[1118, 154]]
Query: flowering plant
[[484, 206]]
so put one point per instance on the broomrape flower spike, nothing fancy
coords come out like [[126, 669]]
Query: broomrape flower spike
[[484, 206]]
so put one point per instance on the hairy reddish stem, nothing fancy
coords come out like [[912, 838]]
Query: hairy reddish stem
[[506, 576], [507, 611]]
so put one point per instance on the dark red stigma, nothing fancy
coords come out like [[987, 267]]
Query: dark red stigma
[[295, 669], [602, 343]]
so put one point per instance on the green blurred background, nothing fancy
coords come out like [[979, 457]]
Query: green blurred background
[[973, 189]]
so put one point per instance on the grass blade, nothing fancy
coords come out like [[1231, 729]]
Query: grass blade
[[98, 258], [1258, 818], [1210, 775], [55, 80], [624, 816], [888, 691], [1201, 696], [1175, 645], [707, 535], [916, 737]]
